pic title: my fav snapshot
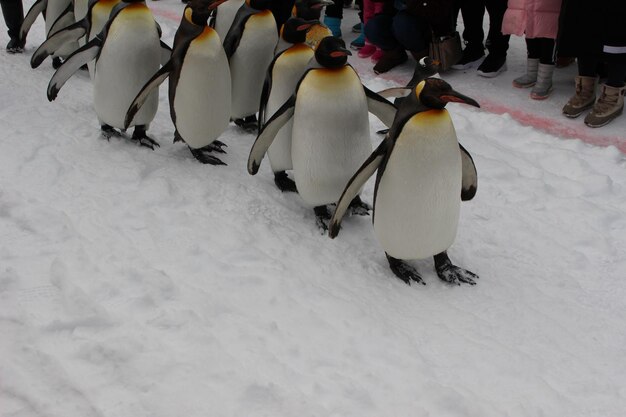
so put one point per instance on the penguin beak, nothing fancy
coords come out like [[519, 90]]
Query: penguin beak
[[306, 26], [456, 97], [340, 52]]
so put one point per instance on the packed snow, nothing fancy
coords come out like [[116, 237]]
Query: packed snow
[[142, 283]]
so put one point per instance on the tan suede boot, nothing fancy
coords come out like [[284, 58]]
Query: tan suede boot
[[610, 104], [583, 99]]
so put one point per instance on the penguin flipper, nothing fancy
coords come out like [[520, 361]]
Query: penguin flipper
[[233, 37], [380, 107], [357, 181], [166, 53], [145, 91], [77, 59], [469, 183], [394, 92], [53, 43], [35, 10], [66, 15], [268, 133], [265, 93]]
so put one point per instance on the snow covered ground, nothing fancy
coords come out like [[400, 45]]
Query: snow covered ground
[[144, 284]]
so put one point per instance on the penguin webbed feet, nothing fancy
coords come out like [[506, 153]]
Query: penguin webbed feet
[[139, 135], [202, 155], [215, 146], [284, 183], [404, 271], [248, 123], [359, 208], [322, 218], [451, 273], [108, 132]]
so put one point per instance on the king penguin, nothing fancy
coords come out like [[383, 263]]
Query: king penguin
[[199, 84], [282, 78], [224, 15], [127, 52], [330, 134], [249, 46], [423, 174], [84, 30], [312, 10], [57, 14]]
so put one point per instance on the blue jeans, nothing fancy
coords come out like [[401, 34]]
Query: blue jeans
[[401, 30]]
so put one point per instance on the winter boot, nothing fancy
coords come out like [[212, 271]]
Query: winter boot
[[358, 43], [543, 86], [334, 24], [367, 50], [530, 78], [610, 104], [583, 99], [391, 59]]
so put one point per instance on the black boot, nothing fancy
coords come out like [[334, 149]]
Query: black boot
[[13, 13]]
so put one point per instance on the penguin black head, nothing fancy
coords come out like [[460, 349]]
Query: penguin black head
[[332, 52], [310, 9], [259, 4], [436, 93], [294, 30], [199, 11]]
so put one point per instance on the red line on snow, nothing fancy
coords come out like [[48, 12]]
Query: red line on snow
[[175, 16]]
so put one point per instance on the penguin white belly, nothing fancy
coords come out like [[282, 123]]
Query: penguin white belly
[[99, 15], [330, 137], [225, 15], [287, 71], [53, 12], [202, 98], [248, 65], [416, 211], [130, 55]]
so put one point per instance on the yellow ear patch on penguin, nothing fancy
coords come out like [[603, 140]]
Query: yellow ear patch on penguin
[[419, 88], [188, 13]]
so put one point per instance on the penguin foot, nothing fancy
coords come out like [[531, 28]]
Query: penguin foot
[[108, 132], [143, 139], [212, 147], [248, 123], [404, 271], [284, 183], [359, 208], [322, 217], [452, 274], [56, 62], [382, 131], [202, 156], [219, 144]]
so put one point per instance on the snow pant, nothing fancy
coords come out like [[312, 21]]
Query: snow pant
[[13, 13], [588, 66], [541, 49], [400, 30], [473, 12]]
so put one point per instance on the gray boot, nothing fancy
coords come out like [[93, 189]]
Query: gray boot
[[530, 78], [583, 99], [610, 104], [543, 86]]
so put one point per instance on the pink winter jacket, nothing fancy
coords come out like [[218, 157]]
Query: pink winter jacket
[[535, 18]]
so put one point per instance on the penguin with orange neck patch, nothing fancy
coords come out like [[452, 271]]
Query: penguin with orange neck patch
[[127, 52], [312, 10], [282, 78], [249, 46], [330, 134], [199, 84], [423, 174]]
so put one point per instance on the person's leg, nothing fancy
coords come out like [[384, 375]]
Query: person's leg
[[616, 74], [379, 32], [334, 14], [497, 43], [610, 103], [409, 31], [13, 13], [586, 83], [533, 50], [543, 87]]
